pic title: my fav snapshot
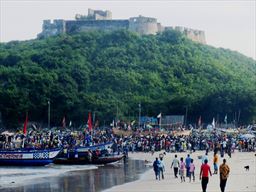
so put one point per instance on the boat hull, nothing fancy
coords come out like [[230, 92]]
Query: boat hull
[[28, 157], [27, 162], [85, 161]]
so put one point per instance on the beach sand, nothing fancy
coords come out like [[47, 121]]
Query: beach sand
[[239, 180]]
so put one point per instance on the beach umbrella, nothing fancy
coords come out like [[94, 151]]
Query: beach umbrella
[[7, 133]]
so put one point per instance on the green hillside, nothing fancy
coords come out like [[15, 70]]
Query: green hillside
[[112, 72]]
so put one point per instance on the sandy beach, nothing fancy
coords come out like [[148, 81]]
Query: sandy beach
[[239, 180]]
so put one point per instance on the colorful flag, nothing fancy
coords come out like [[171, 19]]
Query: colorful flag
[[199, 121], [64, 122], [89, 122], [25, 124]]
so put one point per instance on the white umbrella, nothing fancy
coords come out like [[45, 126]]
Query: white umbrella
[[7, 133]]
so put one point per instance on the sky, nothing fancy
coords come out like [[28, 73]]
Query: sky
[[228, 24]]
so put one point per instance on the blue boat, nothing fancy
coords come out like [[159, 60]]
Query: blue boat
[[28, 157]]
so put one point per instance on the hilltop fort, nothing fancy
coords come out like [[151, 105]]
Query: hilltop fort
[[102, 20]]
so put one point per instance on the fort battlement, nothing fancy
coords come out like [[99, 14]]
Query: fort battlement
[[102, 20], [193, 34], [143, 25], [95, 15]]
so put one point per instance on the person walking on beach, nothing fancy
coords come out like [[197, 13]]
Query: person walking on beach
[[215, 163], [175, 165], [156, 167], [182, 170], [188, 160], [224, 173], [191, 170], [204, 174], [161, 168]]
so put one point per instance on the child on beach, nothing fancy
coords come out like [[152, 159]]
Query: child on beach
[[215, 163], [191, 170], [182, 169]]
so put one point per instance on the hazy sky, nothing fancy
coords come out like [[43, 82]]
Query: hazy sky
[[228, 24]]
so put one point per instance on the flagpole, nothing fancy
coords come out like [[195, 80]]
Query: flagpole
[[139, 113], [25, 124], [186, 116], [160, 121], [49, 113]]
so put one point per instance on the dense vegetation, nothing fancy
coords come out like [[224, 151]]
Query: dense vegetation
[[112, 72]]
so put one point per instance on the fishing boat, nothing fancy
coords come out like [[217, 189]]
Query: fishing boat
[[28, 157], [88, 155], [111, 158]]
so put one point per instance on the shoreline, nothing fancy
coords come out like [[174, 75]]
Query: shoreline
[[70, 178], [239, 180]]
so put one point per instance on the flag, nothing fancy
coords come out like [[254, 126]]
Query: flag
[[159, 116], [213, 123], [96, 123], [89, 122], [25, 124], [226, 118], [113, 123], [132, 123], [70, 123], [199, 121], [64, 122]]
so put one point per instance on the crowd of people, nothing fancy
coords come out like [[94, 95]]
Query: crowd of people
[[186, 169], [46, 139], [149, 142], [137, 141]]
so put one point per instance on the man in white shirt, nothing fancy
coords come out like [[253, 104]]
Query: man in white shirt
[[175, 165]]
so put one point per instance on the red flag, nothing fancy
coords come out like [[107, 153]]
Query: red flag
[[64, 122], [199, 121], [25, 125], [89, 122]]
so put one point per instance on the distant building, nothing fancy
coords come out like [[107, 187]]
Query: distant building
[[173, 119], [102, 20]]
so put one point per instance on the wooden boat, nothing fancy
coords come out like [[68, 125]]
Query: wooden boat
[[28, 157], [88, 155], [111, 158]]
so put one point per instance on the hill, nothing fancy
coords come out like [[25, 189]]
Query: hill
[[112, 72]]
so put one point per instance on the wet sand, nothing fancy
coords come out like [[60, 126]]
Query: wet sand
[[239, 180], [94, 180]]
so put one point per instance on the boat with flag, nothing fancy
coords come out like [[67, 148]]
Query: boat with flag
[[28, 157]]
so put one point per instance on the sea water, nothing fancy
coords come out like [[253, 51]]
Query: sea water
[[79, 178], [18, 176]]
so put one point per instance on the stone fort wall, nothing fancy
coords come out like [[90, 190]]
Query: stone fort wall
[[102, 20], [143, 25], [88, 25]]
